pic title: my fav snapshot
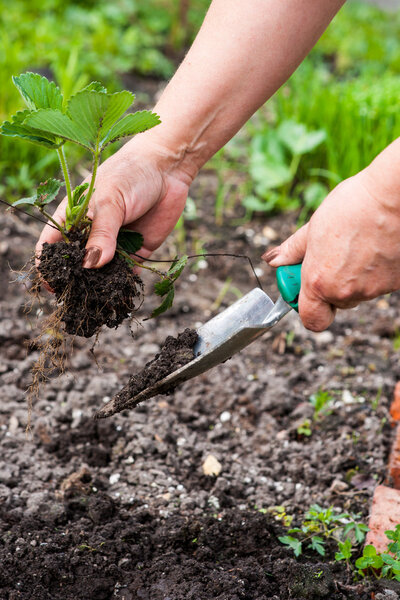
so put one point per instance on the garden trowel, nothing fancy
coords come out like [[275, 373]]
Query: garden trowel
[[226, 334]]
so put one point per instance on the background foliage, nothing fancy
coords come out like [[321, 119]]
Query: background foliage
[[343, 97]]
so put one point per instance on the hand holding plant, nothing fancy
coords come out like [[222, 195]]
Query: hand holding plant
[[133, 190]]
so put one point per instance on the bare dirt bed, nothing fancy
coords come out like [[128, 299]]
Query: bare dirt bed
[[121, 508]]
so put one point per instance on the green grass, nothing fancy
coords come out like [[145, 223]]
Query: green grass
[[349, 87], [76, 42]]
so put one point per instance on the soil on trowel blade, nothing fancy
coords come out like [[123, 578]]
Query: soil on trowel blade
[[89, 298], [174, 353]]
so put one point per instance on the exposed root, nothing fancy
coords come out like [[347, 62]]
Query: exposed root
[[86, 299], [52, 346]]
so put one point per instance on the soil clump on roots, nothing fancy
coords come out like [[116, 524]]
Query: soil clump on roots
[[174, 353], [89, 298]]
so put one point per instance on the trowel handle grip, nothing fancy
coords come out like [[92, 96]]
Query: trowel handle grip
[[289, 284]]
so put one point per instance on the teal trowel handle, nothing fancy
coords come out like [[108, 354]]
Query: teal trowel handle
[[289, 283]]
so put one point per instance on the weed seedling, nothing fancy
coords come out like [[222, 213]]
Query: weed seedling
[[321, 401], [321, 524]]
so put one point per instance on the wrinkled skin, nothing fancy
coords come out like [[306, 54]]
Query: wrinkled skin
[[350, 248]]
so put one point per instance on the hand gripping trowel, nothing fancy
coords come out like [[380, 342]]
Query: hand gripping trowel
[[226, 334]]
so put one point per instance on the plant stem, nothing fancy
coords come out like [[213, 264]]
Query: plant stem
[[83, 209], [64, 166], [135, 263], [59, 227]]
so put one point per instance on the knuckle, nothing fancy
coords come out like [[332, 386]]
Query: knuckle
[[345, 293], [316, 284], [103, 234], [114, 201]]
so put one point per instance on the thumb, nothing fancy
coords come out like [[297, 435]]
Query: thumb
[[291, 251], [108, 216]]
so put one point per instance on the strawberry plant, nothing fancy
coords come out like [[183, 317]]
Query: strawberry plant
[[94, 119]]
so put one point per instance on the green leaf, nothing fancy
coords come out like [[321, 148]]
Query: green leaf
[[369, 551], [344, 550], [268, 172], [95, 85], [177, 267], [256, 204], [393, 534], [370, 558], [293, 543], [97, 111], [38, 91], [297, 138], [163, 287], [47, 191], [360, 529], [90, 115], [130, 125], [58, 124], [390, 560], [118, 104], [77, 196], [317, 544], [30, 200], [17, 127], [129, 241], [165, 305], [385, 570]]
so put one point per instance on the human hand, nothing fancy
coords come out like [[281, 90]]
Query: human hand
[[136, 188], [350, 247]]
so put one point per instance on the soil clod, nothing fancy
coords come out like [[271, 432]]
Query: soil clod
[[90, 297]]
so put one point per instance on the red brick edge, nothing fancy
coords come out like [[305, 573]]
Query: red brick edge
[[385, 509]]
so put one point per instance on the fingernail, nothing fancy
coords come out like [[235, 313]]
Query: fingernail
[[91, 258], [271, 254]]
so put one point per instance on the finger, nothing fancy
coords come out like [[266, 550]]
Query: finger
[[50, 233], [315, 312], [291, 251], [108, 216]]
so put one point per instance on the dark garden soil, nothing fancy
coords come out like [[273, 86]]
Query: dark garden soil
[[122, 508], [88, 298]]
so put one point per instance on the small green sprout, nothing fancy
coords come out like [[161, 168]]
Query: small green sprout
[[321, 401], [321, 524], [370, 559], [305, 428], [344, 552]]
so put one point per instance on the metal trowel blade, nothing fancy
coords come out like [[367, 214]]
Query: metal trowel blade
[[219, 339]]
